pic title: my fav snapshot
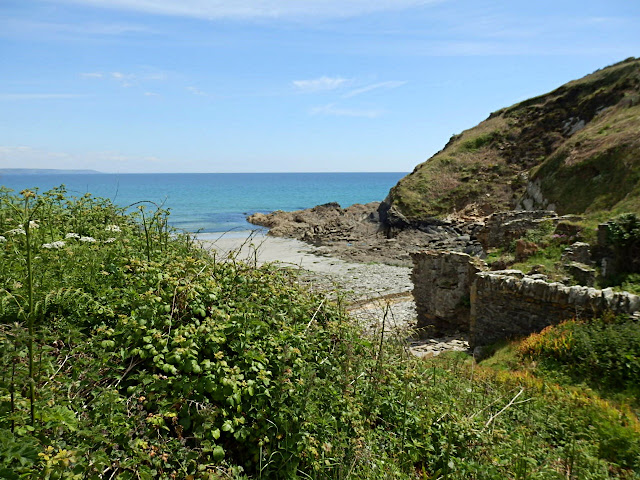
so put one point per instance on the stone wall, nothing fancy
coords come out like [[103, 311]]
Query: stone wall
[[508, 304], [453, 293], [442, 283]]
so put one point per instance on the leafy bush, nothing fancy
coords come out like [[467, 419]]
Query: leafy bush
[[605, 352], [128, 352], [623, 232]]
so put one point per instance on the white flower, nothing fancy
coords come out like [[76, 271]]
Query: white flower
[[72, 235], [112, 228], [58, 244], [34, 224], [87, 239], [2, 239], [17, 231], [110, 240]]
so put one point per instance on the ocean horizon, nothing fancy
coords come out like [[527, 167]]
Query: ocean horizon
[[216, 202]]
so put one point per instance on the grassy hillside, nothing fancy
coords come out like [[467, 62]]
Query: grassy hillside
[[576, 149]]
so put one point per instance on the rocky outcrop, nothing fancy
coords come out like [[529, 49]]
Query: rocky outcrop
[[321, 222], [356, 234]]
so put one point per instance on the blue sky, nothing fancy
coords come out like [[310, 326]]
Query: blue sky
[[280, 85]]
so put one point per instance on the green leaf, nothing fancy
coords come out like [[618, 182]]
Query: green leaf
[[218, 453]]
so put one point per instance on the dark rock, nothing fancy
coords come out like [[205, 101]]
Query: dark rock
[[578, 252], [583, 274], [524, 249], [502, 228]]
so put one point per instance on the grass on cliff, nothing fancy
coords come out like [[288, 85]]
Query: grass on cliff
[[128, 352], [593, 170], [597, 171], [469, 170]]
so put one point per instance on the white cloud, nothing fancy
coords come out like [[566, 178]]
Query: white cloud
[[126, 79], [106, 161], [38, 96], [28, 28], [91, 75], [375, 86], [197, 91], [334, 110], [151, 94], [320, 84], [211, 9]]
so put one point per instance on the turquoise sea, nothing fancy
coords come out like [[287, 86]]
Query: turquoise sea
[[218, 202]]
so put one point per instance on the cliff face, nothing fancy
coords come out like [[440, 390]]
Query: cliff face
[[575, 150]]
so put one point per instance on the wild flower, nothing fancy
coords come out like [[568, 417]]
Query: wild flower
[[17, 231], [88, 239], [72, 235], [110, 240], [2, 239], [54, 245], [112, 228], [27, 193], [34, 224]]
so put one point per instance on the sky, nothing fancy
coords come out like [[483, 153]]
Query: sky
[[281, 85]]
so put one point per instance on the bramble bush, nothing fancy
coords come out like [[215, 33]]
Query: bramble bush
[[128, 352]]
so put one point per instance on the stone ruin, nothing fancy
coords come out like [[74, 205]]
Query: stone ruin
[[454, 292]]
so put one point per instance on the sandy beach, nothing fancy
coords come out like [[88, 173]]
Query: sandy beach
[[375, 293]]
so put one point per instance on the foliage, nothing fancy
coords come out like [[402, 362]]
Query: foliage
[[152, 358], [623, 232], [605, 351]]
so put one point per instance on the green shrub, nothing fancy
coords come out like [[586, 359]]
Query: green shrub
[[623, 232], [138, 355], [605, 352]]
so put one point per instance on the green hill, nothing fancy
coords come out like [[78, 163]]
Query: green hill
[[575, 149]]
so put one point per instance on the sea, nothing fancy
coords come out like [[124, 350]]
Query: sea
[[217, 202]]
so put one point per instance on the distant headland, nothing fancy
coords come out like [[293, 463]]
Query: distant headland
[[42, 171]]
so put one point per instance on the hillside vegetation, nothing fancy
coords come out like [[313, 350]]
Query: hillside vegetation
[[575, 149], [127, 352]]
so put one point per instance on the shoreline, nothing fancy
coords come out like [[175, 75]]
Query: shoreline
[[364, 280]]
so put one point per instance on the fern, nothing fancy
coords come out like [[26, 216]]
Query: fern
[[14, 306]]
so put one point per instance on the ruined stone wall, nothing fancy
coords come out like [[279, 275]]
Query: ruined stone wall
[[508, 304], [453, 293], [502, 228], [442, 282]]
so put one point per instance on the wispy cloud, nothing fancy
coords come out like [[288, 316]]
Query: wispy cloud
[[22, 27], [332, 109], [198, 92], [92, 75], [107, 161], [209, 9], [376, 86], [320, 84], [38, 96], [126, 79]]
